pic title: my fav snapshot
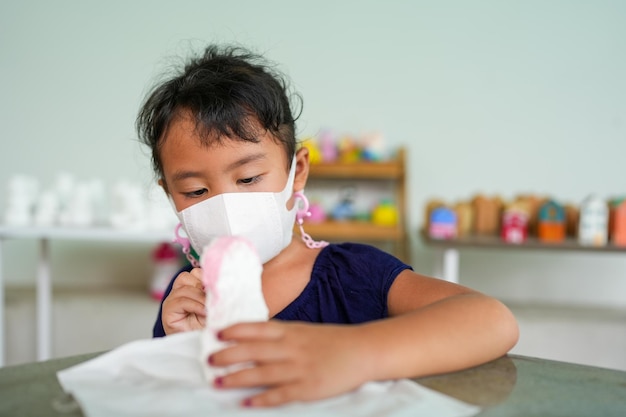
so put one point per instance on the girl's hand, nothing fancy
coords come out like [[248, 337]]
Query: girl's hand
[[296, 361], [183, 309]]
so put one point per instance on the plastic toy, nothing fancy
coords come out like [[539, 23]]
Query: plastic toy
[[344, 210], [372, 146], [464, 217], [442, 224], [618, 222], [349, 151], [487, 214], [385, 214], [551, 227], [530, 203], [317, 213], [430, 206], [514, 225], [593, 223], [166, 265], [572, 216], [315, 153], [328, 146]]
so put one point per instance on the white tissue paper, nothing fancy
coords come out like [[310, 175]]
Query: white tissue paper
[[231, 275], [170, 376]]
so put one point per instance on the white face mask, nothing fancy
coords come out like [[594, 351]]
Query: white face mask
[[261, 217]]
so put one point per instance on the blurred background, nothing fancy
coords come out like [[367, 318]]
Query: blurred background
[[493, 97]]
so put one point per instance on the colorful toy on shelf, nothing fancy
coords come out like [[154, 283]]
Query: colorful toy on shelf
[[430, 206], [385, 213], [349, 151], [315, 153], [572, 218], [328, 146], [593, 222], [318, 214], [514, 225], [344, 210], [464, 218], [372, 146], [166, 264], [618, 222], [530, 203], [551, 226], [487, 213], [442, 223]]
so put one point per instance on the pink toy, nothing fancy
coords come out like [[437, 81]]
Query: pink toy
[[318, 215], [328, 146]]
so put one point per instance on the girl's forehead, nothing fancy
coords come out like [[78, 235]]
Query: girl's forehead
[[182, 144]]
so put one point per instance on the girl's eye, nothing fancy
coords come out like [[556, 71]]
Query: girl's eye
[[196, 193], [248, 181]]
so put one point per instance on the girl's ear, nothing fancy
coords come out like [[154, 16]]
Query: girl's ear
[[163, 185], [302, 169]]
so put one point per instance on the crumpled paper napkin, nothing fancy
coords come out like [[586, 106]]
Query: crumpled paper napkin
[[161, 377], [231, 276]]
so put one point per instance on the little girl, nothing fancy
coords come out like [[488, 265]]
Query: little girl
[[224, 150]]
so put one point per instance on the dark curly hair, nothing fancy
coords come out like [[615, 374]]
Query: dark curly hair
[[229, 91]]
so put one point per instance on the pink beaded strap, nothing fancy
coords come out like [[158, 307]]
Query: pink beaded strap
[[186, 244], [300, 215]]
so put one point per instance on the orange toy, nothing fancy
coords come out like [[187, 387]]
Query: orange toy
[[551, 227], [618, 223]]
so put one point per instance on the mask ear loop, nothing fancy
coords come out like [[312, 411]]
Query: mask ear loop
[[300, 215], [186, 246]]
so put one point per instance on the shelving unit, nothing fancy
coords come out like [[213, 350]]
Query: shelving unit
[[44, 273], [392, 171], [451, 257]]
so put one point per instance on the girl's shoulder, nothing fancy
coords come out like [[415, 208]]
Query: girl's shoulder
[[351, 254]]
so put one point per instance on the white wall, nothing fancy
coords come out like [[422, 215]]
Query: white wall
[[492, 96]]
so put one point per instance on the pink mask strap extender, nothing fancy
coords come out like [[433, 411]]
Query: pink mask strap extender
[[300, 215], [186, 245]]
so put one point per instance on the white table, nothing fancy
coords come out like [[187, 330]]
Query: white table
[[44, 274]]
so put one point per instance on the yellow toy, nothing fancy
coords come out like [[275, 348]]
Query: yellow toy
[[385, 214], [315, 154]]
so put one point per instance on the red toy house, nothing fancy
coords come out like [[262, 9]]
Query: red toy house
[[514, 226]]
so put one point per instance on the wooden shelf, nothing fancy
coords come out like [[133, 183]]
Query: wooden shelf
[[392, 171], [532, 243], [336, 230]]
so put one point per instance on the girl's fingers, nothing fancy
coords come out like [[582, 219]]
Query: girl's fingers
[[242, 332], [264, 375], [257, 352], [186, 292], [192, 279]]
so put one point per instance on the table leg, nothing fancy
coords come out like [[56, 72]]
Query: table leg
[[2, 305], [451, 265], [44, 298]]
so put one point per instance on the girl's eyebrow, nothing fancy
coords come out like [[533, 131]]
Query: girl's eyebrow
[[185, 174], [246, 160]]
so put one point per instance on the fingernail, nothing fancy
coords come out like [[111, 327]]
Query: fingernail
[[219, 335], [210, 359], [247, 402], [219, 381]]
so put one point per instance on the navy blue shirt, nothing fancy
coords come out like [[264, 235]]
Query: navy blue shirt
[[349, 284]]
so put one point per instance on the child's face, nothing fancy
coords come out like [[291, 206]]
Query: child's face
[[193, 173]]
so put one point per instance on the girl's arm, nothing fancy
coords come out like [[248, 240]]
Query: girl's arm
[[435, 327]]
